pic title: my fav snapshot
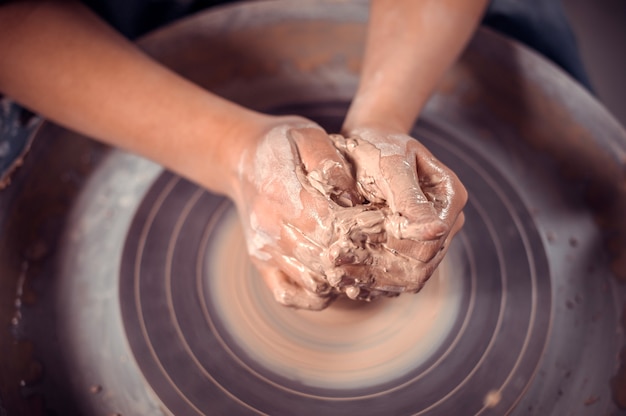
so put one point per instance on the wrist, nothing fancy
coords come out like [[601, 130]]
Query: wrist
[[381, 110], [218, 159], [238, 148], [389, 125]]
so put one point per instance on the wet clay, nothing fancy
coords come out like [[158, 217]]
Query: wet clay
[[331, 244]]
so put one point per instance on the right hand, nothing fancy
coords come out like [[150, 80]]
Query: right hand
[[419, 198]]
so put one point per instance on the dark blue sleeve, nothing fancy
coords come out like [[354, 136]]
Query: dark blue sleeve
[[134, 18]]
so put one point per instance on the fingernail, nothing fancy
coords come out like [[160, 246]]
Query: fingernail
[[353, 292], [344, 199]]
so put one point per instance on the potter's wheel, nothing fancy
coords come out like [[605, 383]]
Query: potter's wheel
[[198, 316], [157, 309]]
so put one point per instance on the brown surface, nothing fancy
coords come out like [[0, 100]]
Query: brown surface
[[600, 28], [30, 229]]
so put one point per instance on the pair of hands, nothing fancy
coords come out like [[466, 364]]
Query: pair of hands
[[369, 214], [365, 215]]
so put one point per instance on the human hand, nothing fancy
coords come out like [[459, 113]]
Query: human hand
[[312, 234], [292, 183], [421, 203]]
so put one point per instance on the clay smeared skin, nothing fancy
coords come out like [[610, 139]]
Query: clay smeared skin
[[411, 219], [291, 187], [354, 218]]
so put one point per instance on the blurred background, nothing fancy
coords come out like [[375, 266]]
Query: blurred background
[[600, 28]]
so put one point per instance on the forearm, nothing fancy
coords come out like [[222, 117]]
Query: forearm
[[409, 46], [60, 60]]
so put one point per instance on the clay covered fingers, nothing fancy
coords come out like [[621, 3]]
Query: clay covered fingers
[[290, 187], [367, 215], [420, 199]]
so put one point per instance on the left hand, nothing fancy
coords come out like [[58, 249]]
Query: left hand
[[291, 187]]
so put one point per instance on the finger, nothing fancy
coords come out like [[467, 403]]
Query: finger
[[413, 214], [327, 170], [303, 265], [267, 224], [394, 272], [432, 265], [389, 272], [354, 280], [406, 273], [387, 172], [423, 251], [289, 293], [440, 185], [299, 255]]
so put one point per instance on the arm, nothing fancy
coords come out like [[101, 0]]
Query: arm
[[64, 63], [409, 46], [61, 61]]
